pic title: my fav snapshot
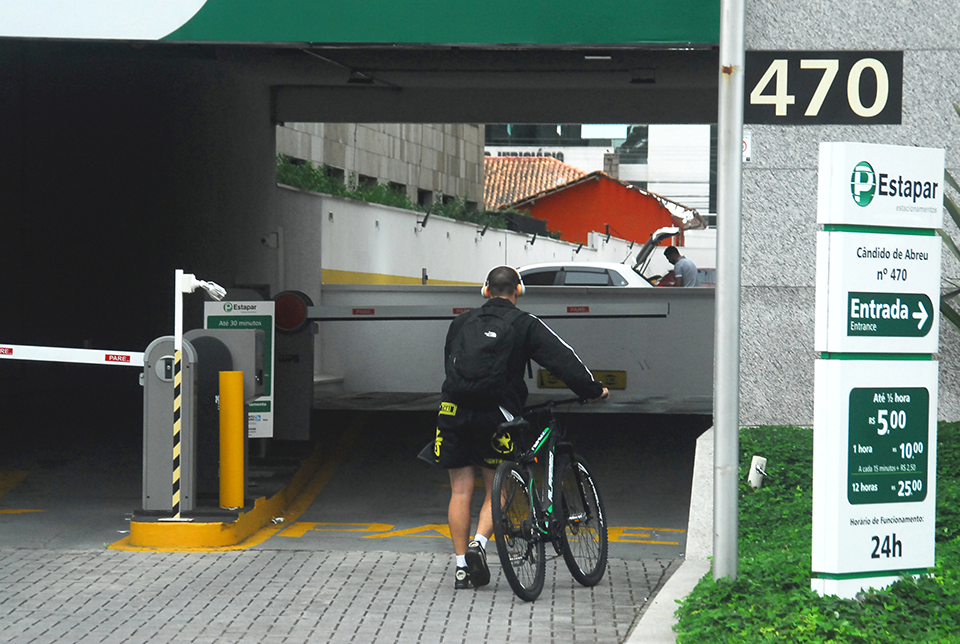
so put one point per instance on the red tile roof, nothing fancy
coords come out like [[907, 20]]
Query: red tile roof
[[511, 179], [683, 217]]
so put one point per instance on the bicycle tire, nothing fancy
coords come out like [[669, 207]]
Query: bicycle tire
[[519, 548], [583, 535]]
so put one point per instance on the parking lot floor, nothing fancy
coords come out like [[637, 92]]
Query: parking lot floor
[[333, 583]]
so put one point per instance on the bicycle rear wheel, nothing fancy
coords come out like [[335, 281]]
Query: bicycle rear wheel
[[519, 546], [583, 539]]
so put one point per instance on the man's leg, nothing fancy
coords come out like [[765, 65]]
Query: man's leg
[[476, 556], [458, 514], [485, 523]]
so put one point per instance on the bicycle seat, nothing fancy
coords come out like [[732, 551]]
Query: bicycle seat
[[517, 425]]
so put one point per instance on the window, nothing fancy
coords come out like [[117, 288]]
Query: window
[[542, 277], [586, 277]]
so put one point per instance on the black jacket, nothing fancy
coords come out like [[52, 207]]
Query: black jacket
[[537, 341]]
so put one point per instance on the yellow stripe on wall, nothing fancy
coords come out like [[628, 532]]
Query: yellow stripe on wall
[[332, 276]]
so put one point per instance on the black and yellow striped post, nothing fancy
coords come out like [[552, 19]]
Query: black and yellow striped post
[[177, 389], [184, 283], [180, 289]]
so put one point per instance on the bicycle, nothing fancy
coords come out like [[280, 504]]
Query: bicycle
[[566, 510]]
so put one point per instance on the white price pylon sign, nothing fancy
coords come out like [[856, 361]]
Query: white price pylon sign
[[875, 390], [874, 472]]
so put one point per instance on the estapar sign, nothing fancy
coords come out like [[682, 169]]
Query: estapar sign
[[880, 185]]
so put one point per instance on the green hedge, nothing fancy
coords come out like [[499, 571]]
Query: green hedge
[[307, 176], [771, 600]]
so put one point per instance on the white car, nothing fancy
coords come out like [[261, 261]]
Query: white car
[[582, 274], [597, 273]]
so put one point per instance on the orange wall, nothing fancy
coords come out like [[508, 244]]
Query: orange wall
[[593, 204]]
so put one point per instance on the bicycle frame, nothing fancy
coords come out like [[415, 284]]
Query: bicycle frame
[[530, 513], [550, 444]]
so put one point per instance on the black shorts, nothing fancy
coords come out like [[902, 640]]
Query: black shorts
[[470, 437]]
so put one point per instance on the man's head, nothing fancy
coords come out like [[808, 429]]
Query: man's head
[[672, 254], [503, 281]]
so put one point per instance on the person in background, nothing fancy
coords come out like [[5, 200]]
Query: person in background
[[685, 271]]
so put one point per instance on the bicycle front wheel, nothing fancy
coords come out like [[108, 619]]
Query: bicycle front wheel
[[583, 539], [519, 545]]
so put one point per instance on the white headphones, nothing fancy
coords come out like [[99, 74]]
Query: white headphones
[[521, 289]]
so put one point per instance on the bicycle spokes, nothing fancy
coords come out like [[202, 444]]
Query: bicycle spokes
[[518, 545]]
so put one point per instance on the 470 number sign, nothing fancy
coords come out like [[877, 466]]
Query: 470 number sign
[[821, 87]]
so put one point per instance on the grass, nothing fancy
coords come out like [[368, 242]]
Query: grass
[[771, 600]]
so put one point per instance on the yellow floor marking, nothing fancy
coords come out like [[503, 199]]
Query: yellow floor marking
[[639, 535], [9, 480], [625, 534], [442, 528], [316, 484], [302, 528]]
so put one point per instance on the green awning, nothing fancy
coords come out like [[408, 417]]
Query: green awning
[[468, 22]]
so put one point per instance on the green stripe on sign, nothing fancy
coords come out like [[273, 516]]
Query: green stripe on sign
[[875, 356], [886, 230], [870, 575], [259, 405]]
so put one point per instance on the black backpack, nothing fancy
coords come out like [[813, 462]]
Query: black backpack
[[478, 366]]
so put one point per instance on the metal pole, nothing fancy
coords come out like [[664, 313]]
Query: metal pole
[[231, 440], [177, 352], [726, 398]]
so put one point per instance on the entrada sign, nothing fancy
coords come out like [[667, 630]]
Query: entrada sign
[[904, 315]]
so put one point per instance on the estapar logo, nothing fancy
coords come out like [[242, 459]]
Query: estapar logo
[[863, 184], [228, 307]]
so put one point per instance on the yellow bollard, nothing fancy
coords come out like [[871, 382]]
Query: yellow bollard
[[231, 439]]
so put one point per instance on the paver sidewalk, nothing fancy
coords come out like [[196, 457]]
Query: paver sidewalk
[[267, 596]]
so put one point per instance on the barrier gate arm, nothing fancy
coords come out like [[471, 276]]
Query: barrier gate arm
[[62, 354], [438, 312]]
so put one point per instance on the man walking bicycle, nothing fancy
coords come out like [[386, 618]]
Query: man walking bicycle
[[485, 354]]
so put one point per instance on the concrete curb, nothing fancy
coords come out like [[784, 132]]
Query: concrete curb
[[656, 623], [156, 535]]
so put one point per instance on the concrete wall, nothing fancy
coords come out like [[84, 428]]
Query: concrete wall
[[780, 196], [118, 165], [356, 242], [446, 159]]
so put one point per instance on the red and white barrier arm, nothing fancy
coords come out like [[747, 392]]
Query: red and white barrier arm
[[61, 354]]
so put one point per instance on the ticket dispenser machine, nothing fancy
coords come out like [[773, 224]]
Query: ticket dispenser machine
[[205, 353], [221, 350], [158, 426]]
